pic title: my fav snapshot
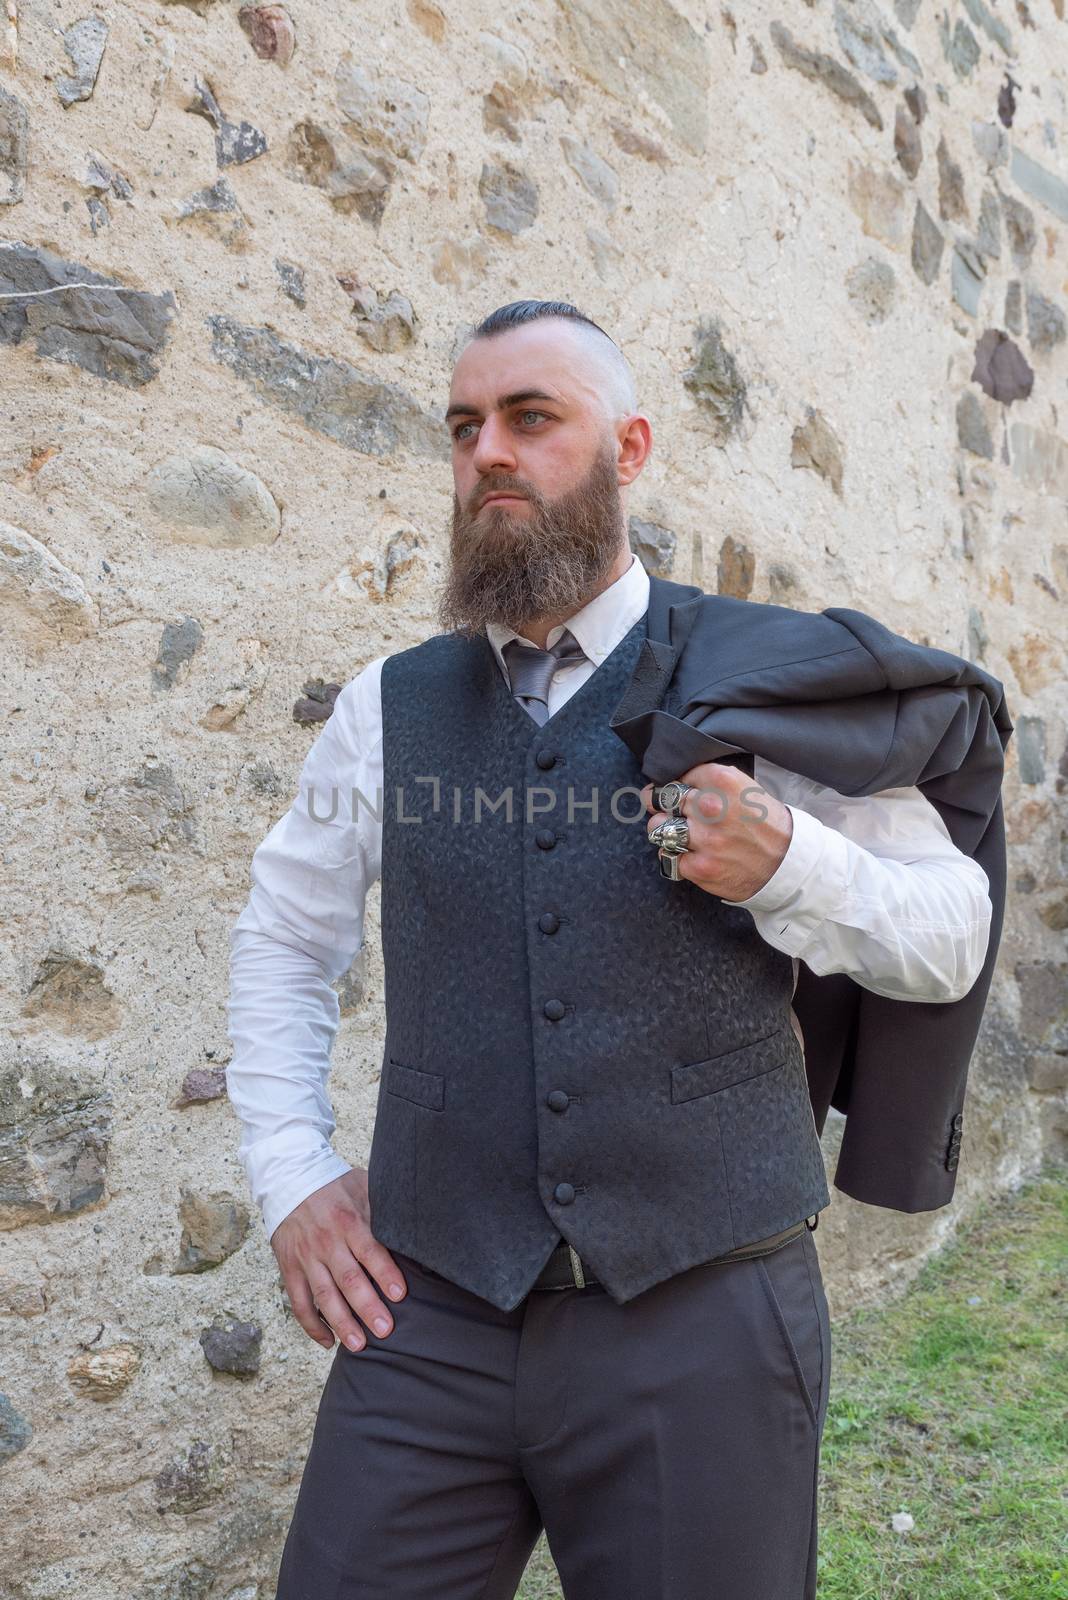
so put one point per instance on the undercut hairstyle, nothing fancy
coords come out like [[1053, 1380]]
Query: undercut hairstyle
[[619, 393]]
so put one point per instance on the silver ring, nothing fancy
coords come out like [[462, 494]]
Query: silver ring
[[671, 836], [669, 796]]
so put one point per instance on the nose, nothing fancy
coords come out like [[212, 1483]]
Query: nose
[[494, 449]]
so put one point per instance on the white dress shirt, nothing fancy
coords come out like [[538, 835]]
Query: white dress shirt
[[871, 885]]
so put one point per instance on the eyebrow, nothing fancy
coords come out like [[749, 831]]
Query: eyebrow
[[504, 402]]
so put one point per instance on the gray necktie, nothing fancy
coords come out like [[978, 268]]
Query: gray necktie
[[530, 671]]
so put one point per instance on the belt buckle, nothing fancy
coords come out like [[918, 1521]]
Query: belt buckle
[[576, 1267]]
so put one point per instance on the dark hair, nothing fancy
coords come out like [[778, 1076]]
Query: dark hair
[[520, 311]]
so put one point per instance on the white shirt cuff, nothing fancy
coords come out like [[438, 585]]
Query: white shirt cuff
[[807, 885]]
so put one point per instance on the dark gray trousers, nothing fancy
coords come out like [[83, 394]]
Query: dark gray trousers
[[669, 1447]]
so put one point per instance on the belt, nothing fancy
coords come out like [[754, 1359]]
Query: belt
[[566, 1270]]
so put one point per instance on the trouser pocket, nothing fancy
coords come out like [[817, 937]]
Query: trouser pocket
[[794, 1290]]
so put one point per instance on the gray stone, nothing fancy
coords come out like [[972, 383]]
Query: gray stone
[[1039, 183], [978, 641], [1039, 459], [235, 142], [214, 1227], [822, 68], [927, 245], [814, 444], [14, 142], [967, 273], [1019, 229], [991, 144], [351, 987], [205, 497], [15, 1430], [1001, 369], [232, 1346], [332, 397], [1014, 306], [143, 815], [735, 569], [386, 325], [988, 234], [961, 48], [179, 642], [908, 147], [952, 206], [1045, 322], [1031, 749], [907, 11], [783, 585], [54, 1138], [216, 212], [352, 178], [653, 545], [608, 258], [596, 175], [192, 1480], [41, 601], [509, 196], [992, 26], [84, 42], [972, 431], [872, 288], [643, 52], [317, 701], [1043, 989], [109, 329], [291, 277], [715, 381], [270, 31], [861, 31], [390, 113]]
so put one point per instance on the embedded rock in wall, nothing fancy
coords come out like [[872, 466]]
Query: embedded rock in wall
[[205, 497], [715, 381], [353, 178], [84, 42], [110, 329], [55, 1132], [214, 1226], [69, 995], [14, 139], [42, 602], [102, 1372]]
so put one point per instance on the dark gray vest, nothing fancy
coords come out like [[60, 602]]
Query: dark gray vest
[[574, 1044]]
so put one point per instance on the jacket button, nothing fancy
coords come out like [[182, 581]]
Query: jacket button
[[558, 1099], [554, 1009], [951, 1163], [958, 1120], [545, 838], [563, 1194], [545, 759], [548, 922]]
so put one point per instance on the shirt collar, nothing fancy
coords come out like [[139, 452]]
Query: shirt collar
[[600, 624]]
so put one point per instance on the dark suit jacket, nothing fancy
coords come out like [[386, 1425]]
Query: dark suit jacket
[[836, 696]]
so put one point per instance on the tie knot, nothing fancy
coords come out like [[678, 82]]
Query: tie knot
[[530, 670]]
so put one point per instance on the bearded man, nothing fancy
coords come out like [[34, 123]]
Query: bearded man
[[576, 1288]]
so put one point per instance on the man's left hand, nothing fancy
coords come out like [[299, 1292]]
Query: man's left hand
[[739, 833]]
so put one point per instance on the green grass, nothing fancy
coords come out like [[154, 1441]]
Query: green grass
[[950, 1404]]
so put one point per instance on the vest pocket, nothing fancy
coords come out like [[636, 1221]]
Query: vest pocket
[[695, 1078], [412, 1083]]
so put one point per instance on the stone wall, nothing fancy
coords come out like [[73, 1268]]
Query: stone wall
[[238, 248]]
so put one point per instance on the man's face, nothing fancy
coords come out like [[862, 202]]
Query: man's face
[[528, 426]]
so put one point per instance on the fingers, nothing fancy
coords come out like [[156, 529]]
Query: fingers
[[300, 1298]]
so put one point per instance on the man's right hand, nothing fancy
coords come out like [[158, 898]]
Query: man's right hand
[[323, 1247]]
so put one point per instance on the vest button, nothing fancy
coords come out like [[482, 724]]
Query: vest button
[[554, 1009], [563, 1194], [545, 759], [548, 922], [545, 838], [557, 1099]]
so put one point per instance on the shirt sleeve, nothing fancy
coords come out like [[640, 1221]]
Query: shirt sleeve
[[873, 886], [301, 928]]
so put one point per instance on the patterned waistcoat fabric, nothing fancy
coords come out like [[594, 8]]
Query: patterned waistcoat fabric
[[575, 1045]]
